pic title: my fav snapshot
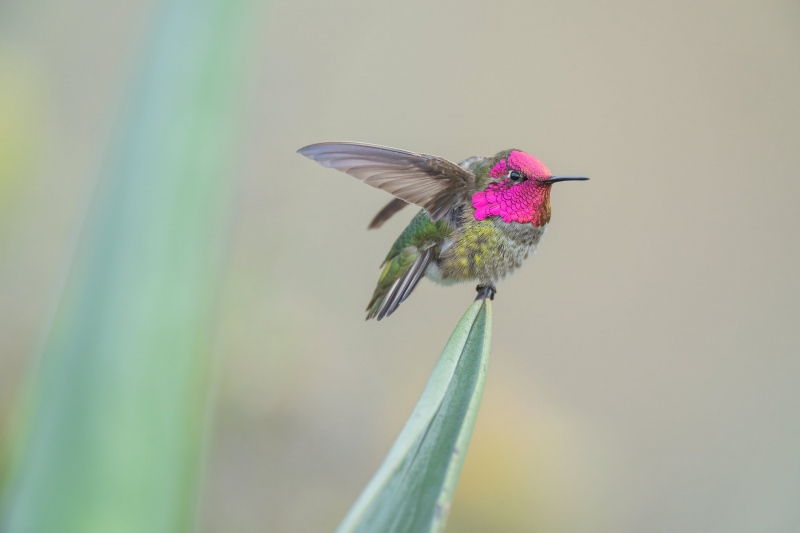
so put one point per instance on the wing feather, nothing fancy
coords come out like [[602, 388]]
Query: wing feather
[[386, 213], [431, 182]]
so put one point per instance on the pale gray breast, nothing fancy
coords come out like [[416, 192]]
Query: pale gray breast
[[519, 242], [484, 250]]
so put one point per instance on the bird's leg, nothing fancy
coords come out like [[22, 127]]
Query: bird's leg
[[485, 291]]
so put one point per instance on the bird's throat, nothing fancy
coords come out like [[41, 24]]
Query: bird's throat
[[527, 202]]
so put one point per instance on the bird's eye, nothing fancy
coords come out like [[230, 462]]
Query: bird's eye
[[515, 176]]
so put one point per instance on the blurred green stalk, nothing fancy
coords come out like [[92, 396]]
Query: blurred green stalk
[[413, 489], [113, 428]]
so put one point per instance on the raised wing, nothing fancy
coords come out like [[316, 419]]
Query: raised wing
[[433, 183], [395, 205]]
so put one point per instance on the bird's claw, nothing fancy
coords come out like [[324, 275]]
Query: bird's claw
[[485, 291]]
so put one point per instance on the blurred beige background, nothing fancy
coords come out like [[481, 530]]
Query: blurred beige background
[[645, 372]]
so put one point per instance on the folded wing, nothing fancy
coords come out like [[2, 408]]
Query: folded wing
[[400, 275]]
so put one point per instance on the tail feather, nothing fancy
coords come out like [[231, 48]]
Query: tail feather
[[398, 280]]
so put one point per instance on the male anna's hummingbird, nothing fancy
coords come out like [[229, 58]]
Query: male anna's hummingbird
[[479, 220]]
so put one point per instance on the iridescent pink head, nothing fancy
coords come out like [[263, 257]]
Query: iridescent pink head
[[516, 190]]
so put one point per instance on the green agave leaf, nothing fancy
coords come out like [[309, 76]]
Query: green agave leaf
[[112, 433], [413, 489]]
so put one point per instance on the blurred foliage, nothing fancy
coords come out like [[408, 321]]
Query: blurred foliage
[[644, 365], [413, 489], [115, 421], [20, 125]]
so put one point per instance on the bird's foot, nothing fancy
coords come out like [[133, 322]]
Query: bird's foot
[[485, 291]]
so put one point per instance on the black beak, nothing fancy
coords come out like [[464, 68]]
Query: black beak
[[556, 179]]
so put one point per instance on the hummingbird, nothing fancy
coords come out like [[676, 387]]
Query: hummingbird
[[480, 219]]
